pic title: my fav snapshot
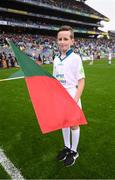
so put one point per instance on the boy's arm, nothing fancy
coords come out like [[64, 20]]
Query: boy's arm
[[80, 88]]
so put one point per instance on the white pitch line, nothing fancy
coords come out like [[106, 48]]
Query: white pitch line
[[9, 167], [9, 79]]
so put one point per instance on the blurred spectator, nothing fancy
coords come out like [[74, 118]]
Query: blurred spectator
[[11, 60], [43, 49], [109, 57], [0, 60], [4, 63]]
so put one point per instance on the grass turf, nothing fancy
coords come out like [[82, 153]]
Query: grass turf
[[34, 154]]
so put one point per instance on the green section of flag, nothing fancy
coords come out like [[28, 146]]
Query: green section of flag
[[17, 74], [29, 67]]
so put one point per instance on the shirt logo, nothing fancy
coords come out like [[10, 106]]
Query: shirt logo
[[60, 77]]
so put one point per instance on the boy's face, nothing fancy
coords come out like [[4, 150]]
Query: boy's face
[[64, 41]]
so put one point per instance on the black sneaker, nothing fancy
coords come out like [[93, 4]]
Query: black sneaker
[[63, 153], [71, 158]]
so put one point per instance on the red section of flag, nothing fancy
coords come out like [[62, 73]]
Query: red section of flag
[[54, 107]]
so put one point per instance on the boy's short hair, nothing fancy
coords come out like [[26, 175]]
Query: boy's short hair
[[67, 28]]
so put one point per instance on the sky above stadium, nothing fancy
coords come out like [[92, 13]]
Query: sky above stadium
[[107, 8]]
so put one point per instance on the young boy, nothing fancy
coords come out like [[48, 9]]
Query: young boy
[[69, 71]]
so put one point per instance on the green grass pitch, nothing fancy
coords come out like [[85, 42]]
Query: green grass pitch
[[34, 153]]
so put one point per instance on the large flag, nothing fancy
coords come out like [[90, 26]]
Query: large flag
[[54, 107]]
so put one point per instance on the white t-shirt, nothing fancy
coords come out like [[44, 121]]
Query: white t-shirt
[[68, 70]]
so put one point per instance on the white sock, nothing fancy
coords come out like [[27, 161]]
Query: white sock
[[75, 139], [66, 136]]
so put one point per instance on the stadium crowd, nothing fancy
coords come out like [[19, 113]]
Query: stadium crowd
[[42, 49], [75, 5]]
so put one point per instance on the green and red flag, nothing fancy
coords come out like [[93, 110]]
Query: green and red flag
[[54, 107]]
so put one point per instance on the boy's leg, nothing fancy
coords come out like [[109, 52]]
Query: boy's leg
[[66, 150], [66, 136], [72, 156], [75, 138]]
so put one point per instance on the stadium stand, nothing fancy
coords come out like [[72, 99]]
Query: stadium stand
[[111, 34], [46, 16], [32, 25]]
